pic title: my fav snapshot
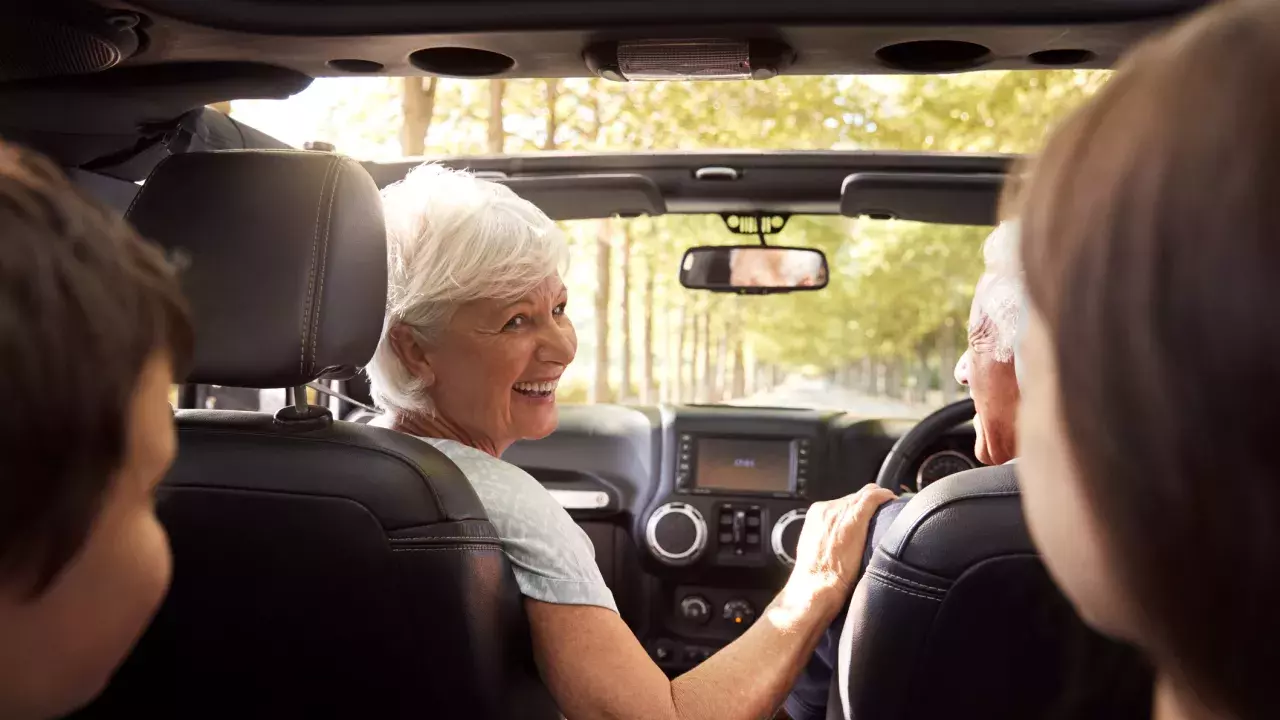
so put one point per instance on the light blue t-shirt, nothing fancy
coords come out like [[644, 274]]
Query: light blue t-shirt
[[553, 559]]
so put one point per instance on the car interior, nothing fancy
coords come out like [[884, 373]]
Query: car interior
[[326, 567]]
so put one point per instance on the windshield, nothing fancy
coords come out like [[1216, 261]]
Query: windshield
[[881, 340]]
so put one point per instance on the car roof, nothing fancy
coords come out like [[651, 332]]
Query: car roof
[[110, 80]]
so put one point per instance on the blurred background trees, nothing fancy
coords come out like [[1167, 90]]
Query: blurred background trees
[[881, 338]]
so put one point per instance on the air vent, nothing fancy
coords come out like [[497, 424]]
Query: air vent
[[933, 55], [1066, 57], [355, 65], [461, 62]]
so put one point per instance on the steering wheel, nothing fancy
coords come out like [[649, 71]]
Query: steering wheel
[[906, 453]]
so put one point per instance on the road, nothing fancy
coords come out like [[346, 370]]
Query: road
[[799, 391]]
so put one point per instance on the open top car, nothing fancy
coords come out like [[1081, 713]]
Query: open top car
[[325, 567]]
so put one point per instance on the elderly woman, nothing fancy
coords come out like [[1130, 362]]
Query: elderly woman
[[476, 339], [1150, 360]]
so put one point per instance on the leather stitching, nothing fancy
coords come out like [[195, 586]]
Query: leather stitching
[[146, 183], [883, 574], [491, 548], [311, 274], [324, 258], [930, 509], [422, 474], [447, 537], [895, 588]]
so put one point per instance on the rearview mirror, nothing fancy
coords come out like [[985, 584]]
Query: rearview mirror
[[753, 269]]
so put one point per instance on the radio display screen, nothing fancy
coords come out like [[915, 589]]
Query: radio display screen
[[745, 465]]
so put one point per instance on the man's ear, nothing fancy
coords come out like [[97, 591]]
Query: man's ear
[[407, 347]]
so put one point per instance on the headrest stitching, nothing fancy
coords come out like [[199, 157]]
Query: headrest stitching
[[311, 274], [146, 184], [324, 257]]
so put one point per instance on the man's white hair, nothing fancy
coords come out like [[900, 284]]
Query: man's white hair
[[452, 239], [998, 296]]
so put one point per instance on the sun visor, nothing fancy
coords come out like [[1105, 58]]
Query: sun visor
[[947, 198], [578, 197]]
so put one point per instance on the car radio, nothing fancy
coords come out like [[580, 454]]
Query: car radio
[[742, 465]]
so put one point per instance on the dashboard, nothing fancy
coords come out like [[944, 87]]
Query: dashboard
[[694, 511]]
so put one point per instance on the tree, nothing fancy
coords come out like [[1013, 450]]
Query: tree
[[624, 387], [497, 136], [604, 264], [647, 389], [553, 118], [418, 104], [895, 311]]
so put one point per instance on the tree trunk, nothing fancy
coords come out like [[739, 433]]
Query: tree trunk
[[418, 105], [624, 391], [679, 368], [604, 247], [739, 388], [597, 122], [646, 382], [699, 356], [868, 375], [497, 135], [893, 379], [715, 363], [947, 359], [553, 119]]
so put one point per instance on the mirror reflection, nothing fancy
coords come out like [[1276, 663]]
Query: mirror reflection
[[753, 269]]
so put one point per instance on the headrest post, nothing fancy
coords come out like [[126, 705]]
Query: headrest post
[[299, 394], [302, 415]]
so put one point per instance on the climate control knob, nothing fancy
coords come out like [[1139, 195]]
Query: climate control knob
[[786, 535], [739, 613], [695, 609], [676, 533]]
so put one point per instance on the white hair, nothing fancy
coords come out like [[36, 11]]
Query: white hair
[[452, 239], [998, 296]]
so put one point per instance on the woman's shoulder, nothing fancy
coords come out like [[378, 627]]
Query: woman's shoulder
[[468, 458], [498, 482]]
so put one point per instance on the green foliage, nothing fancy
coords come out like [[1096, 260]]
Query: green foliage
[[898, 291]]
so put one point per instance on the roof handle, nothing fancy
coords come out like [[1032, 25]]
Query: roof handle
[[715, 173]]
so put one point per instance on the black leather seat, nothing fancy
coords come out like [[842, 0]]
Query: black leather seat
[[956, 617], [321, 568]]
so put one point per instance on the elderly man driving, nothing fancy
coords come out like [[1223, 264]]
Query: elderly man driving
[[987, 369]]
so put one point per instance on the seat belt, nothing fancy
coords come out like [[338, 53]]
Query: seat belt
[[174, 135], [334, 393]]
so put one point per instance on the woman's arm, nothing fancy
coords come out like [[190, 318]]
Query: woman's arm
[[595, 667]]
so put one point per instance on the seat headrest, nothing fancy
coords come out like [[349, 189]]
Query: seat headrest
[[284, 257]]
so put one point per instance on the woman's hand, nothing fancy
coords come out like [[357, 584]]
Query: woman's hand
[[829, 552], [595, 667]]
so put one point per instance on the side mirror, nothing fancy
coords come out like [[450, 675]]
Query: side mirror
[[753, 269]]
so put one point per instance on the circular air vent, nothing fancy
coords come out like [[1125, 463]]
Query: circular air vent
[[933, 55], [1062, 58], [461, 62], [354, 65]]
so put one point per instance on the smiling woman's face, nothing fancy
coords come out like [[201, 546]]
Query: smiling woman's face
[[493, 371]]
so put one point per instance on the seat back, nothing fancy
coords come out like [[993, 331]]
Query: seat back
[[321, 568], [956, 616]]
